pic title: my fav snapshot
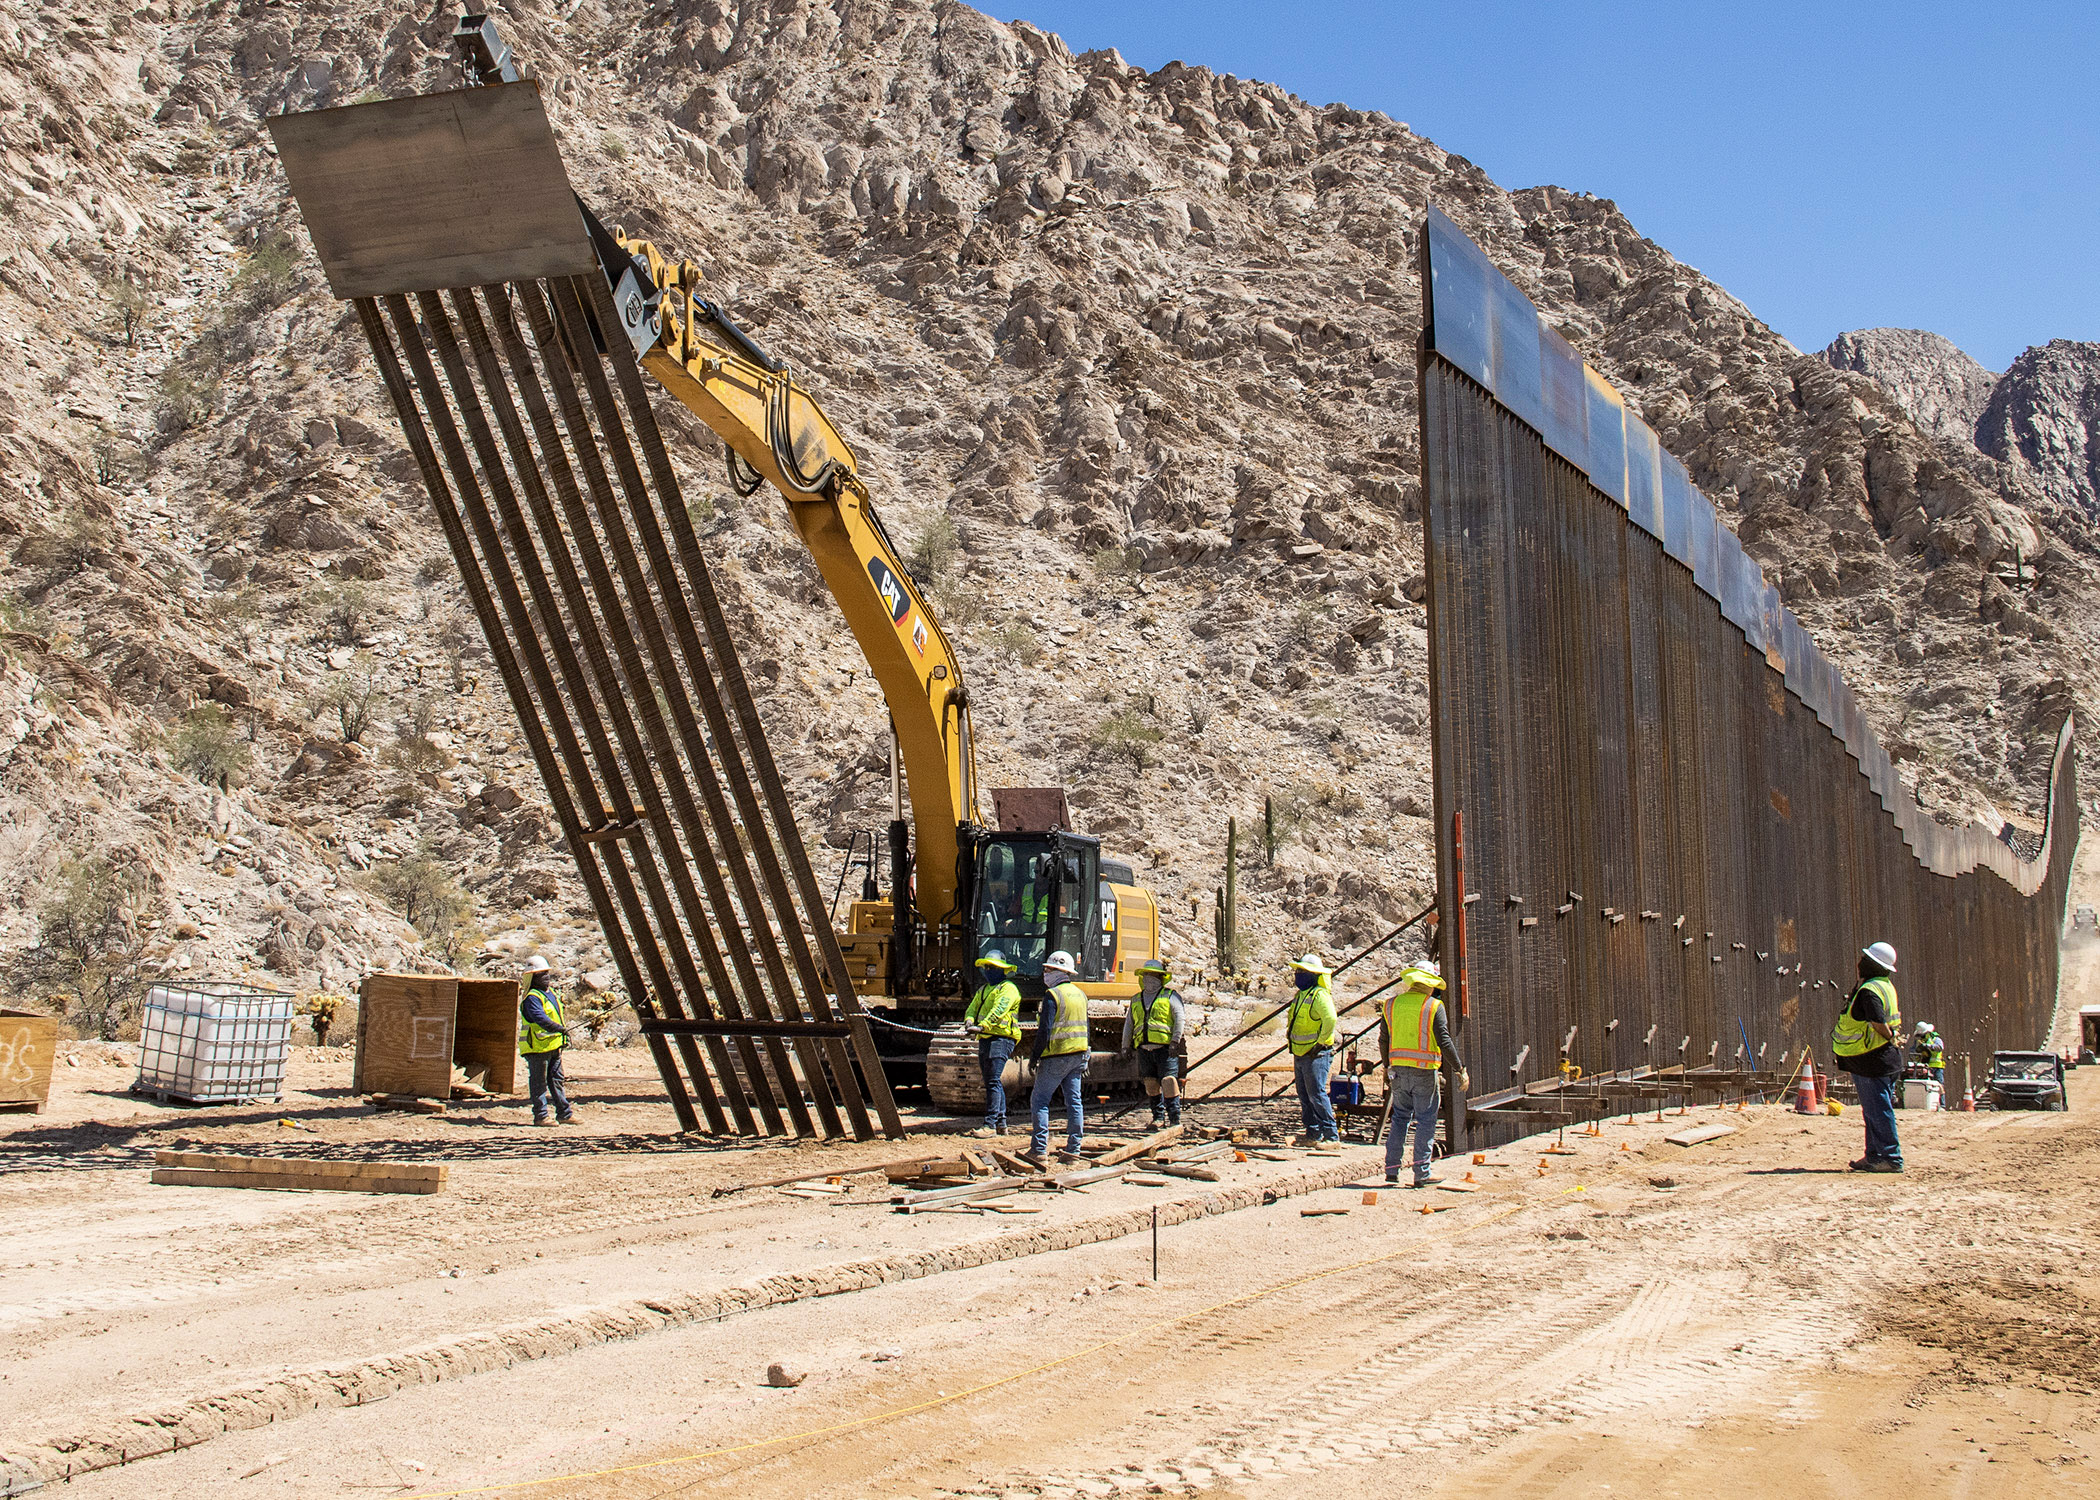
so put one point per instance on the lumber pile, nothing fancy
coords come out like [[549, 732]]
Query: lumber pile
[[204, 1169]]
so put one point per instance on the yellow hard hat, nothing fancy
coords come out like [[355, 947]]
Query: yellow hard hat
[[994, 959]]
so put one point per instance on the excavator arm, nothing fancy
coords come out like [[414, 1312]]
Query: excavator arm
[[776, 433]]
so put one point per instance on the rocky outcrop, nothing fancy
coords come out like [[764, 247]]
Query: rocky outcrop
[[2044, 420], [1938, 386]]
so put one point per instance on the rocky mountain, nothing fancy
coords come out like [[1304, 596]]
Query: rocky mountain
[[1942, 389], [1129, 359], [2044, 420]]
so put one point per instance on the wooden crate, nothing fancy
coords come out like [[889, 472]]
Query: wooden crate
[[28, 1042], [413, 1029]]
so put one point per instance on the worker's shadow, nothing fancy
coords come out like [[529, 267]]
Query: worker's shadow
[[1797, 1171]]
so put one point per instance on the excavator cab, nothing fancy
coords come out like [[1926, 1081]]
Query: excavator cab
[[1034, 894]]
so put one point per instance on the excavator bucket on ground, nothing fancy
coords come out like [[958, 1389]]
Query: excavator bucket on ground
[[448, 221]]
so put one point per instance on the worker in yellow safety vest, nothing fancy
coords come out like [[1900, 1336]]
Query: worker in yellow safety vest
[[1418, 1047], [1152, 1029], [1864, 1041], [541, 1034], [1930, 1053], [1310, 1030], [994, 1018], [1060, 1057]]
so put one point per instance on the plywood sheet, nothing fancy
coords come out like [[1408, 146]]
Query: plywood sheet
[[27, 1042], [488, 1031], [405, 1034]]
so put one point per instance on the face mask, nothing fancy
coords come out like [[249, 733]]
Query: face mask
[[1150, 984], [1306, 980]]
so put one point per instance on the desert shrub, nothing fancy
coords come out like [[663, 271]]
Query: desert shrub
[[934, 555], [206, 745], [1018, 641], [89, 952], [1126, 734], [353, 700], [430, 900], [188, 395], [1116, 562]]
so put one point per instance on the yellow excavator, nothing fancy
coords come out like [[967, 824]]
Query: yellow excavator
[[1025, 885]]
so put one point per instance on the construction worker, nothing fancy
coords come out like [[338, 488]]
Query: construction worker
[[1311, 1030], [1931, 1054], [1152, 1029], [994, 1018], [1864, 1041], [541, 1034], [1418, 1047], [1060, 1057]]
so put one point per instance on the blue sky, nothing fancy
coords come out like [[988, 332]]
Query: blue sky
[[1846, 164]]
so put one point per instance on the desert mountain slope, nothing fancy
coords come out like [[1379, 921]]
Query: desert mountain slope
[[1129, 356], [2044, 421], [1942, 389]]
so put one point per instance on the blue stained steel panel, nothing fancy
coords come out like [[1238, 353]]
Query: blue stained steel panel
[[1701, 525], [1564, 394], [1738, 579], [1679, 500], [1514, 351], [1607, 435], [1460, 322], [1795, 644], [1643, 476]]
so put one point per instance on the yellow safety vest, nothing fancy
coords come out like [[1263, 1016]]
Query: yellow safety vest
[[1152, 1025], [1932, 1054], [536, 1038], [995, 1010], [1850, 1038], [1410, 1030], [1068, 1028], [1312, 1019]]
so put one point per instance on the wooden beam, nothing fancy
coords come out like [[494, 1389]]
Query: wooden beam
[[1145, 1147], [301, 1167], [285, 1182]]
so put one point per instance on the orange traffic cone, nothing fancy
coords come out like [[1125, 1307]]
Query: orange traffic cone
[[1805, 1092], [1968, 1101]]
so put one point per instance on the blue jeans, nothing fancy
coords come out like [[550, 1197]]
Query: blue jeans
[[1877, 1103], [546, 1084], [1313, 1103], [1058, 1077], [1415, 1100], [992, 1053]]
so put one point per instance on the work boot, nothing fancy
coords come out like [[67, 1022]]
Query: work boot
[[1392, 1177], [982, 1132], [1174, 1110], [568, 1119], [1069, 1155], [1862, 1165], [1159, 1116], [542, 1120], [1882, 1166]]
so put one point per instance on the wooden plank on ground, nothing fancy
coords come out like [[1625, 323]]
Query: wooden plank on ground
[[1013, 1164], [1699, 1133], [188, 1177], [292, 1166], [884, 1167], [1145, 1147], [1181, 1169]]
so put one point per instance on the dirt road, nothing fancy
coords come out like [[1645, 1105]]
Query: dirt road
[[1732, 1319]]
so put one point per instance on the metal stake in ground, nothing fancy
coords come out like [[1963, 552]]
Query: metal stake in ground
[[1155, 1244]]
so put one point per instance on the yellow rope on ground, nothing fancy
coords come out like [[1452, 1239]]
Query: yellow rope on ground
[[976, 1390]]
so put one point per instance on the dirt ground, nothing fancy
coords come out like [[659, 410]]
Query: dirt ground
[[1735, 1318]]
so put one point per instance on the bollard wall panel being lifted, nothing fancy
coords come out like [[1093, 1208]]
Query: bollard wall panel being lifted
[[1679, 830], [447, 220]]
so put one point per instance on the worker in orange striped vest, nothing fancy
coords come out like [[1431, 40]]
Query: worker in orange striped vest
[[1418, 1047]]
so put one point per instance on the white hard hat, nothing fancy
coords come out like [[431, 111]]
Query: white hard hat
[[1060, 960], [1429, 966], [1882, 954], [1311, 963], [537, 965]]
